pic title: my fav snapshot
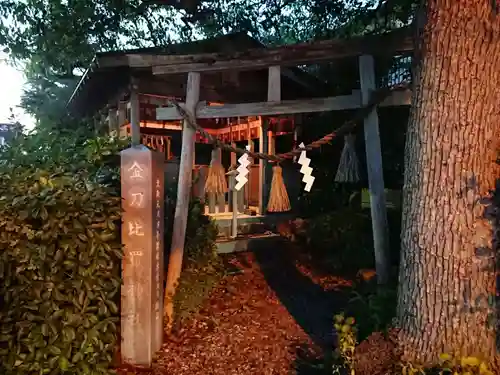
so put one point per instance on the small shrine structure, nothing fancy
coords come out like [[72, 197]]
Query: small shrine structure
[[242, 99], [244, 94]]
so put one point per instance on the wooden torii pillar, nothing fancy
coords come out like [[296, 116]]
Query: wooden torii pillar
[[375, 172], [183, 195]]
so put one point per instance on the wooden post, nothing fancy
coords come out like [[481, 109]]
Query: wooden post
[[273, 95], [211, 196], [122, 113], [232, 183], [263, 148], [122, 118], [142, 181], [272, 142], [239, 206], [234, 232], [296, 132], [231, 140], [249, 183], [221, 198], [232, 162], [169, 147], [135, 119], [375, 172], [211, 203], [113, 121], [183, 194]]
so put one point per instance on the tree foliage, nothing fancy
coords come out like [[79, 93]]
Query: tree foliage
[[58, 39]]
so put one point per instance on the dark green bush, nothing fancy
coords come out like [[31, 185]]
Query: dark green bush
[[327, 195], [202, 267], [342, 239], [60, 256], [373, 307]]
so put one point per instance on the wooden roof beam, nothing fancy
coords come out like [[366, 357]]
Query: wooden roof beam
[[285, 107], [392, 43]]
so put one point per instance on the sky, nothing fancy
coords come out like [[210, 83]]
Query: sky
[[12, 81]]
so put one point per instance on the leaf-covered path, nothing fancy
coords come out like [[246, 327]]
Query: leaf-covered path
[[270, 318]]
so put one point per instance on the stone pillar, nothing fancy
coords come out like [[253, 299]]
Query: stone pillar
[[142, 179]]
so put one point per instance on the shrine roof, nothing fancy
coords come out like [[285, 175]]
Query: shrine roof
[[109, 75]]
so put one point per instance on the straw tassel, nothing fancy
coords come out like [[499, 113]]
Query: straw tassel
[[216, 178], [348, 170], [278, 199]]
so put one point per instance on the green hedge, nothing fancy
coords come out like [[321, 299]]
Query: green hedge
[[60, 256]]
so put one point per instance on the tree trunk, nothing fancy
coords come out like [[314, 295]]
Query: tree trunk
[[447, 275]]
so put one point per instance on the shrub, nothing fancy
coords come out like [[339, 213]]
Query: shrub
[[346, 343], [342, 239], [60, 256], [373, 307], [202, 267], [327, 195]]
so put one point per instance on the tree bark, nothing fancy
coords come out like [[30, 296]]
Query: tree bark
[[447, 275]]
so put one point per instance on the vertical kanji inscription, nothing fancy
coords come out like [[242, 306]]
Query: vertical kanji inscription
[[142, 179]]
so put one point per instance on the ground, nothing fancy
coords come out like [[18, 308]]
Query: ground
[[271, 316]]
